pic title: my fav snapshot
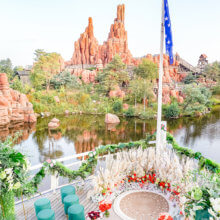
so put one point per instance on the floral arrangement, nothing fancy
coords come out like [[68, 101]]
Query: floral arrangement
[[13, 177], [94, 215], [104, 207], [164, 169], [204, 198], [165, 216]]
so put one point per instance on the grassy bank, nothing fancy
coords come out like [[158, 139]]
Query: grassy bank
[[77, 101]]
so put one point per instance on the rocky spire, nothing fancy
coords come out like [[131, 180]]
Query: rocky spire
[[117, 39], [86, 48], [121, 13]]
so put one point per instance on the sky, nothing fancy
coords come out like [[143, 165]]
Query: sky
[[54, 25]]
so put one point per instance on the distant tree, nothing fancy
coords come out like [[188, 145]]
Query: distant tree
[[65, 79], [147, 70], [6, 67], [46, 66], [17, 85], [172, 111], [197, 98], [116, 64], [117, 106], [212, 71], [145, 73], [38, 53], [114, 74], [37, 78], [141, 90], [18, 68], [190, 78]]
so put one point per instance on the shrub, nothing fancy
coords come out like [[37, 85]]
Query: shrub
[[65, 79], [117, 106], [38, 107], [82, 98], [129, 112], [149, 114], [172, 111], [190, 78], [17, 85], [216, 90], [197, 99], [91, 68]]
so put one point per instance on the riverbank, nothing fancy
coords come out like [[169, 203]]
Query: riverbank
[[53, 102]]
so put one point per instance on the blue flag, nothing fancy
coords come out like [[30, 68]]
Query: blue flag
[[168, 32]]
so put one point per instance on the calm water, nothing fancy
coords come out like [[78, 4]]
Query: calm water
[[80, 133]]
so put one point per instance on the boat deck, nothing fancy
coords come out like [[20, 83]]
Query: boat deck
[[57, 205]]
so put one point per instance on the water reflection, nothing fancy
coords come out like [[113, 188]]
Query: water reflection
[[80, 133]]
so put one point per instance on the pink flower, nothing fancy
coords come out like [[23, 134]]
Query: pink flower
[[51, 165], [48, 160]]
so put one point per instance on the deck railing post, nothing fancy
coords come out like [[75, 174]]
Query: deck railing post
[[54, 181]]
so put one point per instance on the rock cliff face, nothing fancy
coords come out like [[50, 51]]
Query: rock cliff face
[[86, 48], [14, 106], [117, 42], [88, 51], [87, 76]]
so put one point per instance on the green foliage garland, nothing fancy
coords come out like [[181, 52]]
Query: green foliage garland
[[203, 162]]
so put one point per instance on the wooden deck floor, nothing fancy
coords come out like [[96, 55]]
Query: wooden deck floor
[[57, 205]]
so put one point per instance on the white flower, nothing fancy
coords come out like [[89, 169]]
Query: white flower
[[17, 185], [212, 213], [182, 200], [8, 171], [215, 204]]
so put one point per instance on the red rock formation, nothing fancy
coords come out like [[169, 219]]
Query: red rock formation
[[87, 76], [86, 48], [125, 106], [117, 92], [54, 123], [111, 119], [117, 42], [14, 106]]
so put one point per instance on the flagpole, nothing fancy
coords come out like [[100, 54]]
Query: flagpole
[[160, 83]]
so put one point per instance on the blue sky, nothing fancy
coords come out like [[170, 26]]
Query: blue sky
[[54, 25]]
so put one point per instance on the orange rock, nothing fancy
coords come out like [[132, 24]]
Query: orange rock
[[125, 106], [14, 106], [145, 101], [117, 92], [87, 76], [87, 50], [111, 119], [180, 99], [174, 93]]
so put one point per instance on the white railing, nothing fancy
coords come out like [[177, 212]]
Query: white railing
[[54, 179]]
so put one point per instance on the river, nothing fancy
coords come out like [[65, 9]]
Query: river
[[81, 133]]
